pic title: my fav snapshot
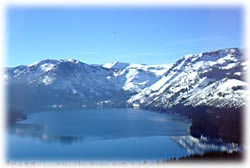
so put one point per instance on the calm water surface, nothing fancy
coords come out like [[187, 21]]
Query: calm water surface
[[104, 134]]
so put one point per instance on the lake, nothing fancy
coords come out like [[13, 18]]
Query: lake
[[109, 134]]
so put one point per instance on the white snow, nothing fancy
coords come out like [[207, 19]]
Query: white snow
[[47, 80], [47, 67], [116, 65]]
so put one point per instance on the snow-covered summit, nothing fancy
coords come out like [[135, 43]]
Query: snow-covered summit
[[116, 65]]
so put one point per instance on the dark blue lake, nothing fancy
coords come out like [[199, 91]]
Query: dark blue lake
[[118, 134]]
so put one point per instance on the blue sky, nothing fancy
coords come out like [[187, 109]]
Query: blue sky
[[96, 35]]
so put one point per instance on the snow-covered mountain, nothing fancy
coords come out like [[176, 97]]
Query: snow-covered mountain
[[214, 79], [135, 77], [58, 83]]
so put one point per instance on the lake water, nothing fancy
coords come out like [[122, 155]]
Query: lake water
[[104, 135]]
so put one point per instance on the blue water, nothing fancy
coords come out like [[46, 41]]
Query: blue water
[[98, 134]]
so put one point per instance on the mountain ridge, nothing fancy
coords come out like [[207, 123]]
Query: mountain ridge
[[145, 84]]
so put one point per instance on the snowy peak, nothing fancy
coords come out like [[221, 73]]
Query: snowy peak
[[41, 68], [116, 65], [54, 62], [135, 77], [218, 58]]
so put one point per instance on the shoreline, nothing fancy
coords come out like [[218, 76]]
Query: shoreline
[[219, 123], [213, 156]]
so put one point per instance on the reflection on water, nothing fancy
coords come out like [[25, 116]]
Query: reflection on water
[[105, 134], [40, 133], [202, 145]]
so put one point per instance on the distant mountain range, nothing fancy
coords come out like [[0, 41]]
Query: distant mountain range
[[71, 83], [213, 78]]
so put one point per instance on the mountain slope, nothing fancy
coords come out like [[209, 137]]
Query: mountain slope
[[135, 77], [209, 88], [214, 79]]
